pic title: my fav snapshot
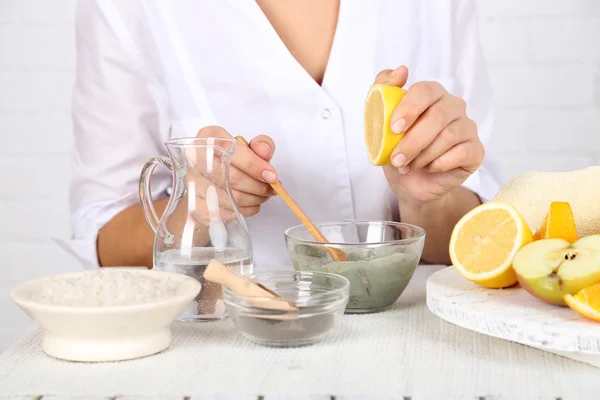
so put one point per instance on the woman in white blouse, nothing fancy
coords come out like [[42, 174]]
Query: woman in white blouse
[[293, 76]]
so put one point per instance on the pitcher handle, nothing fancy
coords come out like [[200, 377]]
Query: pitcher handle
[[145, 192]]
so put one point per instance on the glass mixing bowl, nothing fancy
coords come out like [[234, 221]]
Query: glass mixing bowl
[[318, 300], [382, 258]]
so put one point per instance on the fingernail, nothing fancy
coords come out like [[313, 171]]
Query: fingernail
[[265, 150], [399, 160], [393, 73], [404, 170], [269, 176], [399, 126]]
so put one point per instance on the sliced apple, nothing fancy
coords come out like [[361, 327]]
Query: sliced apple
[[549, 269]]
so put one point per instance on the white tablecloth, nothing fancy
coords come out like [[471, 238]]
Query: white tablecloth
[[406, 351]]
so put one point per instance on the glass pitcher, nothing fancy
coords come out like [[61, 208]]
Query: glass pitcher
[[201, 220]]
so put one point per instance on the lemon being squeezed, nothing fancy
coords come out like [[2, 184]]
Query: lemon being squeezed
[[379, 138]]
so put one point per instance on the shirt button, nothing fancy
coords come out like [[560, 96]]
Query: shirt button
[[326, 114]]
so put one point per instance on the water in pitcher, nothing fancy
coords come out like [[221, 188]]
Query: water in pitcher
[[201, 198], [208, 305]]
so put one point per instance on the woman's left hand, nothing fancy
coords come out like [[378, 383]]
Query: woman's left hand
[[441, 147]]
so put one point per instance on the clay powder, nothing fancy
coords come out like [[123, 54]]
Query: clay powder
[[287, 332]]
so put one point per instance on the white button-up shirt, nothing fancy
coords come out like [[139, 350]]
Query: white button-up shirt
[[151, 70]]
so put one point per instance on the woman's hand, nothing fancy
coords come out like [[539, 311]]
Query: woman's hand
[[249, 176], [441, 147]]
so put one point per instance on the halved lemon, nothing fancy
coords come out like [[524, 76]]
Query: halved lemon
[[485, 241], [586, 302], [379, 138]]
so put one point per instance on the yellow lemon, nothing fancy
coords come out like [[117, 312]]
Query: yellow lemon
[[379, 138], [485, 241]]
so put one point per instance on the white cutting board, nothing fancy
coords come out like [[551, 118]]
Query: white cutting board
[[513, 314]]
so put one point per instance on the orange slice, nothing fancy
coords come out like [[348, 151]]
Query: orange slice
[[586, 302], [559, 223], [485, 241], [379, 105]]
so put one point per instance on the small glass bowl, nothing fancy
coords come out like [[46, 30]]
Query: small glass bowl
[[320, 299], [382, 258]]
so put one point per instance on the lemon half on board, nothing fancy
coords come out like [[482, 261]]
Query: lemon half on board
[[485, 241], [379, 138]]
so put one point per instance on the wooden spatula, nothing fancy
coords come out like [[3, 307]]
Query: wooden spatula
[[256, 294], [336, 254]]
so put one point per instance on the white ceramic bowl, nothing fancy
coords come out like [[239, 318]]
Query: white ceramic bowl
[[106, 333]]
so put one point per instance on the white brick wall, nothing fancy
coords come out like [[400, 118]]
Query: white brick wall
[[544, 62], [36, 71]]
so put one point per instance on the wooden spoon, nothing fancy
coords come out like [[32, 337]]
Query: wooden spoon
[[336, 254], [255, 293]]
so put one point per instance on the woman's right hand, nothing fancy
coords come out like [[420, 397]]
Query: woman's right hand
[[250, 172]]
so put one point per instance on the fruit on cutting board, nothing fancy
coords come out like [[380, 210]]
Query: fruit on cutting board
[[559, 223], [586, 302], [485, 241], [550, 269], [531, 193], [379, 139]]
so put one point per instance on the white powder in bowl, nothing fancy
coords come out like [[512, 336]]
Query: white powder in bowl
[[106, 287]]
